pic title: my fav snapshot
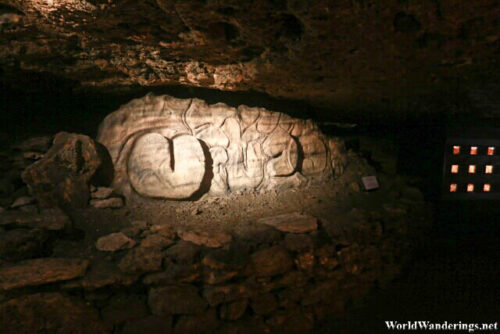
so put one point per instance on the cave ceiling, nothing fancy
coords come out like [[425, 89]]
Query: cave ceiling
[[331, 54]]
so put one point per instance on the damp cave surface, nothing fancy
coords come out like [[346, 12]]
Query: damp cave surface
[[452, 275]]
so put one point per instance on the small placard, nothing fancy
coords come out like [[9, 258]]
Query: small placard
[[370, 182]]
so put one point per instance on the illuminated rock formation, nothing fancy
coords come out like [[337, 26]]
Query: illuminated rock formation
[[182, 148]]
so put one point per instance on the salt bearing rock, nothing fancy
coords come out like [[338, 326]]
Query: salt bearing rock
[[173, 148]]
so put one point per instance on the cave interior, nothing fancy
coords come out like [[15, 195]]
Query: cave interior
[[392, 80]]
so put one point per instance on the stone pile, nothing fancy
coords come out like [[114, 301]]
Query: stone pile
[[286, 277]]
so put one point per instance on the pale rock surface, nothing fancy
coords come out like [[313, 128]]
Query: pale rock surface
[[164, 147], [291, 222], [212, 239], [41, 271], [114, 241]]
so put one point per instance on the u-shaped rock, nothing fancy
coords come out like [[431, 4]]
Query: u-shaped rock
[[173, 148]]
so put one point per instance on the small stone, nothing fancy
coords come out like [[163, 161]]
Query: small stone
[[264, 304], [41, 271], [212, 239], [305, 261], [219, 294], [33, 155], [174, 274], [109, 203], [354, 187], [164, 230], [294, 279], [196, 211], [170, 300], [37, 144], [217, 276], [321, 291], [234, 257], [151, 324], [21, 244], [22, 201], [293, 223], [246, 325], [141, 224], [141, 260], [291, 322], [156, 241], [205, 322], [125, 307], [131, 231], [32, 209], [184, 252], [271, 261], [103, 273], [234, 310], [298, 242], [326, 257], [113, 242], [102, 193]]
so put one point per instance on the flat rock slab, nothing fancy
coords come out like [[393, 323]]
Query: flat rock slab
[[292, 222], [212, 239], [50, 219], [49, 313], [41, 271], [102, 193], [182, 299], [114, 241]]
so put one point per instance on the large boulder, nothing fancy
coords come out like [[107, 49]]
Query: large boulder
[[63, 175]]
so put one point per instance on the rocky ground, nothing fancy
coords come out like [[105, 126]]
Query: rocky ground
[[267, 262]]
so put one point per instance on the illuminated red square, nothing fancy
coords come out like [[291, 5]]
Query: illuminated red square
[[456, 149], [488, 169], [487, 187], [470, 187], [473, 150], [453, 187], [491, 150], [472, 169], [454, 169]]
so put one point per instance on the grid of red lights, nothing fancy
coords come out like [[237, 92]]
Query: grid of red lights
[[470, 167]]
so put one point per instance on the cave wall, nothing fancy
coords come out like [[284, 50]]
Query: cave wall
[[363, 57]]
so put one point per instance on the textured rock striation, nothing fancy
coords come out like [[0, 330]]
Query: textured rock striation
[[182, 148], [343, 54]]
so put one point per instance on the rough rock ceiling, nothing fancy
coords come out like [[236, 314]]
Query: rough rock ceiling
[[328, 53]]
